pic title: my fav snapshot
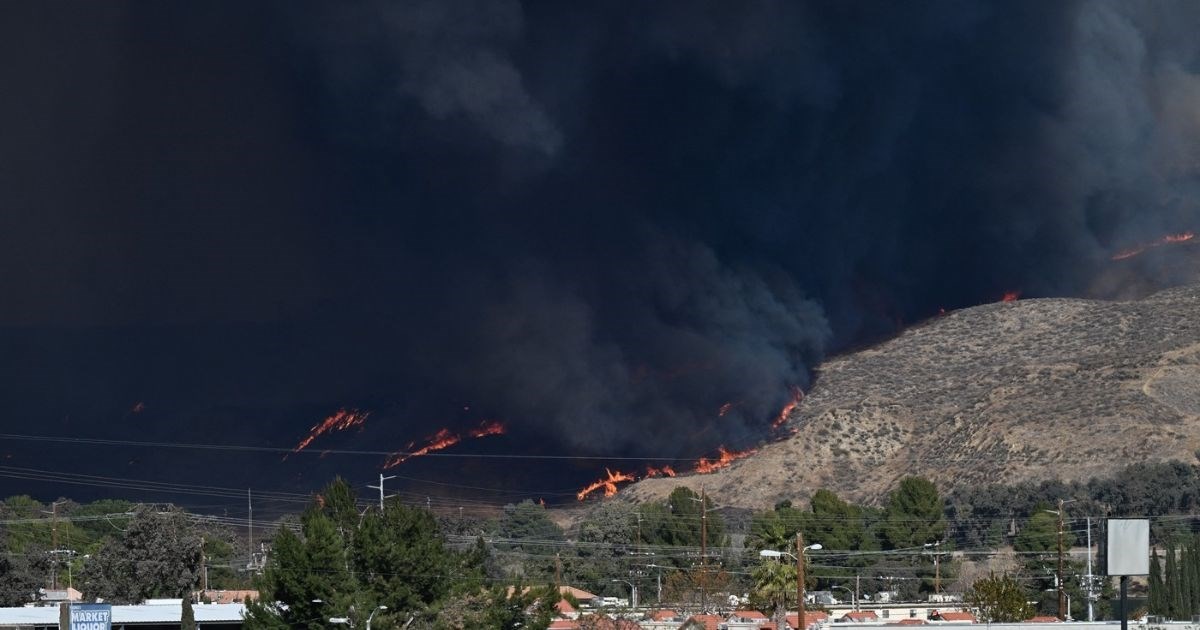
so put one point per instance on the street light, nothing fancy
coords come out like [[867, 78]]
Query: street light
[[372, 615], [633, 594], [937, 567], [799, 558], [853, 595]]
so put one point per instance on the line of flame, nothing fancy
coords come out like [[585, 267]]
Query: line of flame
[[443, 439], [724, 458], [1166, 240], [608, 484], [340, 420], [797, 398]]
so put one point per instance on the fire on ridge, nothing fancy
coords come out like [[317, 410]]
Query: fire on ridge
[[443, 439], [1169, 239], [340, 420]]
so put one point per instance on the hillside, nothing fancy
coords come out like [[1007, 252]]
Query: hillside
[[1025, 390]]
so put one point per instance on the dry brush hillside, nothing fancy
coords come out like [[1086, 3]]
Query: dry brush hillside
[[1031, 389]]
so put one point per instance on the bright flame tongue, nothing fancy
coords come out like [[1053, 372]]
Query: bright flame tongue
[[665, 471], [787, 410], [443, 439], [485, 429], [725, 458], [1011, 296], [1166, 240], [341, 420], [609, 484]]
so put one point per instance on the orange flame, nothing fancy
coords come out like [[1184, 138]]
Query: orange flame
[[1011, 296], [341, 420], [724, 458], [486, 428], [724, 409], [443, 439], [436, 442], [1166, 240], [609, 484], [665, 471], [797, 397], [138, 408]]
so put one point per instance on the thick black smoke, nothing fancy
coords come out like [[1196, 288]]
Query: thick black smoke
[[600, 223]]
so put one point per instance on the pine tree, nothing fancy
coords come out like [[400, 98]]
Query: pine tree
[[1157, 595]]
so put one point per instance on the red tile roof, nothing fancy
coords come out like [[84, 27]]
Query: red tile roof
[[663, 615], [708, 622], [861, 615], [1043, 619], [810, 616], [563, 624], [748, 615], [909, 622], [956, 616]]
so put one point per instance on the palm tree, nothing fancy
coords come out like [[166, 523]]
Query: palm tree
[[774, 584]]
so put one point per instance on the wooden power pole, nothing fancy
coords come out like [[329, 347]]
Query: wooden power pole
[[800, 581]]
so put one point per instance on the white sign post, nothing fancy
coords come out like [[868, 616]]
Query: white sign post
[[1128, 554]]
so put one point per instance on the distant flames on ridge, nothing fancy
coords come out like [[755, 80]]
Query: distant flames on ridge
[[443, 439], [340, 420], [1166, 240]]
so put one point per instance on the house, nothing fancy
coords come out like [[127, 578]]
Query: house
[[1043, 619], [955, 616], [811, 618], [859, 616], [702, 622], [909, 622], [214, 596]]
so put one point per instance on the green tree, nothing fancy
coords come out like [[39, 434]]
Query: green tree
[[306, 580], [1040, 533], [914, 515], [157, 555], [999, 599], [187, 618], [776, 529], [1158, 595], [774, 585], [400, 558], [21, 576], [835, 523]]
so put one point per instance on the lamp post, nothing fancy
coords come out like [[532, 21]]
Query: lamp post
[[853, 597], [633, 594], [937, 569], [799, 557], [372, 615]]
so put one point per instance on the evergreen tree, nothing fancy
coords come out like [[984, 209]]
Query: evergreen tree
[[187, 618], [914, 515], [400, 558], [1158, 600]]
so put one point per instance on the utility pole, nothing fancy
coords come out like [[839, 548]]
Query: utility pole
[[558, 572], [54, 542], [1091, 616], [203, 568], [380, 489], [1062, 602], [800, 581], [857, 589], [703, 553], [250, 527]]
